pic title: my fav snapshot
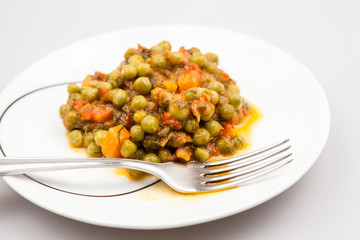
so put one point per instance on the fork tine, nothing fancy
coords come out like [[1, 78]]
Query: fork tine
[[247, 177], [251, 160], [245, 156], [247, 169]]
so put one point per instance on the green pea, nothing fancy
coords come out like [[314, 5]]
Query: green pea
[[115, 75], [76, 138], [198, 59], [212, 57], [139, 115], [233, 89], [135, 60], [191, 94], [129, 71], [210, 67], [73, 88], [139, 154], [165, 45], [179, 110], [71, 118], [214, 97], [88, 138], [191, 125], [64, 108], [137, 133], [105, 85], [135, 173], [201, 154], [93, 150], [128, 148], [238, 141], [225, 146], [207, 111], [227, 111], [119, 97], [235, 100], [207, 77], [99, 136], [114, 83], [143, 69], [164, 155], [152, 157], [213, 127], [138, 102], [165, 98], [216, 86], [76, 96], [158, 61], [142, 85], [91, 94], [177, 58], [157, 49], [130, 52], [149, 124], [194, 50], [201, 137]]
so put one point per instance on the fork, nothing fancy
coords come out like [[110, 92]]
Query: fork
[[186, 178]]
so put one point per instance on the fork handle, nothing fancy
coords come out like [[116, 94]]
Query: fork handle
[[15, 165]]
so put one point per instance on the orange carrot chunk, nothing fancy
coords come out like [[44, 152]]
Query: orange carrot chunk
[[113, 140], [189, 80]]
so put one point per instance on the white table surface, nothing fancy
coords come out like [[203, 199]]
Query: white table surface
[[324, 35]]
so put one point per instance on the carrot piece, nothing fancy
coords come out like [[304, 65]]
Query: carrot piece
[[86, 81], [102, 114], [103, 93], [113, 140], [189, 80], [183, 154]]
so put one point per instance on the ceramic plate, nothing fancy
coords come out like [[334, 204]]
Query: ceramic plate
[[292, 103]]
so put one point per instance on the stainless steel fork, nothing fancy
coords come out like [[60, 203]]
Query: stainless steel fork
[[187, 178]]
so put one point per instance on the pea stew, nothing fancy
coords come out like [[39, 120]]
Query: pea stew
[[158, 105]]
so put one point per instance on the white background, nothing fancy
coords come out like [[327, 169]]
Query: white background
[[324, 35]]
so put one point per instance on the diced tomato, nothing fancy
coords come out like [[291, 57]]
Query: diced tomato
[[99, 76], [211, 147], [234, 120], [88, 115], [79, 104], [244, 112], [186, 53], [225, 76], [227, 131], [171, 121], [192, 67], [98, 115]]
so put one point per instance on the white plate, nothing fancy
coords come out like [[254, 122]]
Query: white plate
[[291, 100]]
